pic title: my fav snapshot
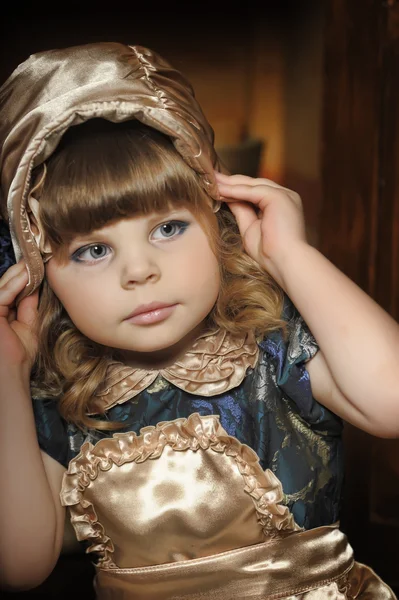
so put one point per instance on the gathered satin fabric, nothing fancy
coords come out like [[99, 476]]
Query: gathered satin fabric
[[184, 510], [217, 362], [311, 565]]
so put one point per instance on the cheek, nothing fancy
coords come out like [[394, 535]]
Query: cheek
[[59, 282], [80, 300], [200, 273]]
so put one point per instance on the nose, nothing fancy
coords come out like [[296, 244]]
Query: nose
[[138, 270]]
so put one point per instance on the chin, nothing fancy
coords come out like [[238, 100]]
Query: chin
[[149, 348], [157, 345], [155, 341]]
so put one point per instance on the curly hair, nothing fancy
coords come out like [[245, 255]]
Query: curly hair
[[102, 172]]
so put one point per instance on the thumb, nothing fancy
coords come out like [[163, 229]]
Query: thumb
[[27, 309], [244, 214]]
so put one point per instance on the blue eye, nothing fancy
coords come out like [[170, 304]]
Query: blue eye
[[168, 230], [90, 254]]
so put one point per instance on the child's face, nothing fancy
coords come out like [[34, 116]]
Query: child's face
[[158, 259]]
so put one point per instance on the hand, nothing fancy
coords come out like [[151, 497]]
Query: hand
[[269, 217], [18, 340]]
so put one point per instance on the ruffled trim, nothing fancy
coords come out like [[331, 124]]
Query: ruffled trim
[[195, 433], [217, 362]]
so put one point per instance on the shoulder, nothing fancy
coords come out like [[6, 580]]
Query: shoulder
[[51, 429], [292, 345], [289, 349]]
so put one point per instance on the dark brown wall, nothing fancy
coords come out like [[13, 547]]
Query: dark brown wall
[[359, 231]]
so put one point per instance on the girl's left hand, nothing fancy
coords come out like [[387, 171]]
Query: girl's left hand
[[269, 217]]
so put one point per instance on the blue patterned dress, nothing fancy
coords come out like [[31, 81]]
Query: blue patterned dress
[[272, 411]]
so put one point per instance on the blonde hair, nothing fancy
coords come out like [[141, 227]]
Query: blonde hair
[[100, 173]]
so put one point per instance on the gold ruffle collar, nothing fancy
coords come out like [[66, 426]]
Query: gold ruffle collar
[[216, 363]]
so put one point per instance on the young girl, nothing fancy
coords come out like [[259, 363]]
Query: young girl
[[182, 410]]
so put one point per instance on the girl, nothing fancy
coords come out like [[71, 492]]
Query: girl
[[182, 410]]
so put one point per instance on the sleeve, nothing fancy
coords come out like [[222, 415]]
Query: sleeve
[[51, 430], [290, 350], [7, 257]]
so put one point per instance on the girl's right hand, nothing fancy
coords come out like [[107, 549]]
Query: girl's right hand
[[18, 339]]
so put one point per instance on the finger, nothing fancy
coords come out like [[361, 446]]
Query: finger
[[244, 214], [17, 280], [27, 309], [12, 315], [245, 179], [12, 272], [10, 290], [259, 195]]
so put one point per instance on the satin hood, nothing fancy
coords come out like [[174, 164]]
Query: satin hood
[[54, 90]]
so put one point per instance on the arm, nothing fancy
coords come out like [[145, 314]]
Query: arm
[[31, 515], [356, 373]]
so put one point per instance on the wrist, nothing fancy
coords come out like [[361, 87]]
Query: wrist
[[288, 260], [15, 375]]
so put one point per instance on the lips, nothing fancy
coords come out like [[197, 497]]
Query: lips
[[149, 314], [146, 308]]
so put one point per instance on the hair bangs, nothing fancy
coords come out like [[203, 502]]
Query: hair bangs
[[103, 172]]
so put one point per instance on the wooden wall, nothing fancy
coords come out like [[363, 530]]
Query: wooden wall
[[359, 232]]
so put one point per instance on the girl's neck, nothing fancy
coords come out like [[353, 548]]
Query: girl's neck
[[161, 359]]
